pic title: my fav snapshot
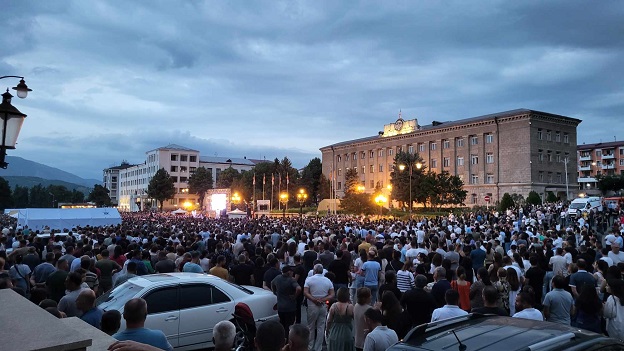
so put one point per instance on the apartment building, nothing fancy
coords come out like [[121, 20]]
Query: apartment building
[[598, 159]]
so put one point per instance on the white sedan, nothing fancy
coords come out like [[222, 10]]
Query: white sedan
[[186, 306]]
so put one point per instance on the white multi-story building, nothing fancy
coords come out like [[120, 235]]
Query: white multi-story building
[[179, 161], [111, 181]]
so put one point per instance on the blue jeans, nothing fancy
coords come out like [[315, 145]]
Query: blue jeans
[[374, 290], [547, 279]]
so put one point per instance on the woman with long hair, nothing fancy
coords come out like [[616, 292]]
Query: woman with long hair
[[502, 286], [476, 289], [340, 323], [614, 309], [462, 286], [588, 309], [493, 270], [514, 289], [391, 311], [405, 277], [359, 325], [600, 271]]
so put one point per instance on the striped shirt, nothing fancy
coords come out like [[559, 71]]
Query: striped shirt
[[405, 280]]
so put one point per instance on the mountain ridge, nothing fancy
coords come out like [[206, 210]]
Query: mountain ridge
[[21, 167]]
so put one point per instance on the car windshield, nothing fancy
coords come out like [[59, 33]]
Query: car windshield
[[577, 206], [116, 299], [242, 288]]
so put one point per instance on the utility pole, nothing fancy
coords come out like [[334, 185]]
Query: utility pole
[[565, 161]]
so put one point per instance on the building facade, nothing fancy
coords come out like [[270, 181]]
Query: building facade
[[598, 159], [111, 181], [509, 152], [180, 162]]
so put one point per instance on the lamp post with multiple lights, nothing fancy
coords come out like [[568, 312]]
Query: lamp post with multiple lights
[[411, 167], [236, 199], [12, 118], [301, 198], [381, 200], [284, 201]]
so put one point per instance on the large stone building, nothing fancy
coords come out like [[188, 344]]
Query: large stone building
[[509, 152], [128, 183], [599, 159]]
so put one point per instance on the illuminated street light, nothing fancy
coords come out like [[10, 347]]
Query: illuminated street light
[[12, 118], [360, 188], [284, 201], [402, 168], [236, 199], [301, 198], [381, 200]]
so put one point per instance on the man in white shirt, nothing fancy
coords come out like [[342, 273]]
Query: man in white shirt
[[558, 263], [616, 255], [381, 337], [524, 304], [317, 289], [451, 309]]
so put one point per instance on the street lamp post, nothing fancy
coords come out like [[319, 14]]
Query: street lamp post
[[236, 200], [12, 118], [402, 168], [301, 198], [284, 201], [380, 200]]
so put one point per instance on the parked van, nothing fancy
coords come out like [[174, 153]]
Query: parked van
[[584, 204]]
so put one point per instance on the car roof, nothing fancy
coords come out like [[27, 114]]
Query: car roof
[[480, 332], [180, 277]]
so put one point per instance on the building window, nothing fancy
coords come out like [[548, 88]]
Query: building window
[[558, 137], [446, 144], [549, 156], [421, 147], [460, 142], [433, 163], [193, 169], [174, 179], [372, 184], [372, 154], [380, 152], [174, 168], [548, 135], [372, 169], [363, 169], [460, 161], [410, 149], [540, 155], [380, 168], [362, 155], [558, 156], [558, 179], [193, 158], [598, 153], [566, 138], [550, 178], [622, 162], [540, 135], [184, 158], [346, 157], [489, 178], [339, 171], [183, 179], [339, 158], [390, 152], [489, 158], [540, 176], [474, 159], [183, 169], [446, 162], [391, 167], [489, 138], [433, 146], [474, 140], [474, 198], [174, 157], [474, 179], [339, 185]]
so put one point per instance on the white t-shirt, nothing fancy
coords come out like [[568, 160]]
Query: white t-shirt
[[380, 339], [446, 312], [616, 258], [529, 313], [319, 285]]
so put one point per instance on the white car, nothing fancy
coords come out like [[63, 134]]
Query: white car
[[186, 306]]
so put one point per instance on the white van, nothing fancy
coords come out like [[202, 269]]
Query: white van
[[584, 204]]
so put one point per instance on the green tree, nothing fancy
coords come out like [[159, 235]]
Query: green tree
[[200, 182], [400, 179], [551, 197], [324, 188], [227, 177], [161, 187], [77, 196], [352, 181], [607, 183], [6, 198], [506, 202], [99, 195], [533, 198], [20, 196], [311, 178], [354, 201], [39, 197]]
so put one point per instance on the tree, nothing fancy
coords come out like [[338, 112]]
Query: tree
[[551, 197], [311, 178], [100, 196], [400, 179], [20, 196], [607, 183], [533, 198], [352, 181], [6, 198], [506, 202], [324, 187], [227, 177], [200, 182], [161, 187]]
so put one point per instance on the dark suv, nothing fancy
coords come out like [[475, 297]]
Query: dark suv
[[485, 332]]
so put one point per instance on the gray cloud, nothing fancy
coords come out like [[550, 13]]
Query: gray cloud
[[283, 78]]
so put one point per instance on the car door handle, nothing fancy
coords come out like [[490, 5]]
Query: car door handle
[[171, 318], [221, 310]]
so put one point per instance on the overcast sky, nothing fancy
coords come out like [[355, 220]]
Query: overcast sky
[[113, 79]]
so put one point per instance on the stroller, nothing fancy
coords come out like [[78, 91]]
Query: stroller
[[245, 327]]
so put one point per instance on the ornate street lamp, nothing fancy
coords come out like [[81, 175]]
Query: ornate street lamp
[[284, 201], [12, 118], [402, 168], [236, 199], [301, 198], [381, 200]]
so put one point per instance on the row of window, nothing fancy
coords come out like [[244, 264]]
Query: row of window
[[184, 158], [183, 169], [602, 153], [422, 147], [549, 136], [557, 157], [137, 172], [559, 178]]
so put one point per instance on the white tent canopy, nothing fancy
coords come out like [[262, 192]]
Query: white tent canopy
[[179, 211], [67, 218], [237, 214]]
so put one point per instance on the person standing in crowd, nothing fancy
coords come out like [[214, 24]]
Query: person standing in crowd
[[380, 336], [270, 336], [223, 336], [614, 309], [370, 270], [135, 313], [441, 285], [491, 303], [219, 270], [558, 303], [67, 304], [451, 309], [418, 303], [164, 264], [85, 302], [340, 323], [317, 289], [298, 338], [476, 289], [525, 302], [242, 273], [193, 266], [463, 288], [359, 325], [589, 309], [107, 268], [286, 288]]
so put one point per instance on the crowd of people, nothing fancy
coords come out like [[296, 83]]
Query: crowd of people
[[362, 282]]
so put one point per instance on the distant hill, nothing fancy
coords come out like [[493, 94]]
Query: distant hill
[[29, 182], [20, 167]]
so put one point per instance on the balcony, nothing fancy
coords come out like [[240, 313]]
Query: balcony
[[608, 156], [586, 180], [584, 168], [608, 166], [585, 158]]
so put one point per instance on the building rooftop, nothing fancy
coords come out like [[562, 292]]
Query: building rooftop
[[174, 147], [440, 125], [228, 160], [121, 166], [610, 144]]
